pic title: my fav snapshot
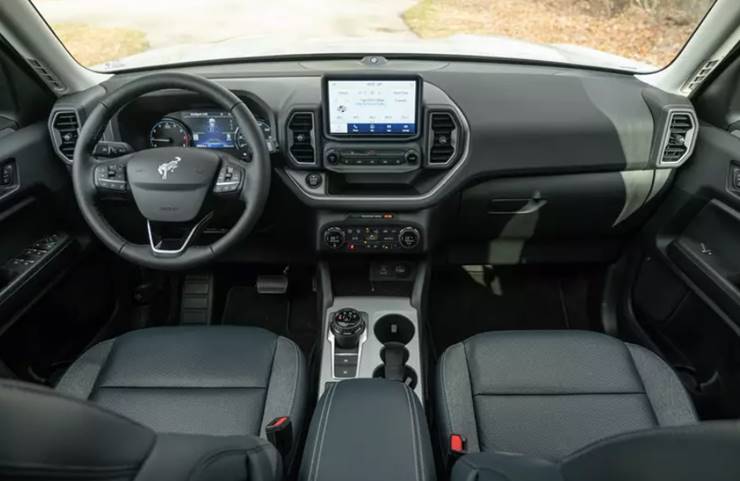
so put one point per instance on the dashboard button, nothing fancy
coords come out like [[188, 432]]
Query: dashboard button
[[334, 237], [314, 180], [409, 237], [332, 157]]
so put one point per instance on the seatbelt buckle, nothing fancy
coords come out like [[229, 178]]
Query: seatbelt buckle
[[280, 434], [458, 445]]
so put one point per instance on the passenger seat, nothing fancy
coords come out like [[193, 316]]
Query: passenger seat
[[548, 394]]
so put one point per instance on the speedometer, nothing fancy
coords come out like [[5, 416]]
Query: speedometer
[[170, 133], [241, 141]]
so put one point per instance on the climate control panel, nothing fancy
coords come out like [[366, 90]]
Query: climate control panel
[[372, 238], [372, 158]]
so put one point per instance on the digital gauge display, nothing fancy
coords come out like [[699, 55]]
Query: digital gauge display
[[203, 130], [211, 130]]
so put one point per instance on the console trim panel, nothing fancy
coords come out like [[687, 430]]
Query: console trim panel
[[320, 197], [376, 308]]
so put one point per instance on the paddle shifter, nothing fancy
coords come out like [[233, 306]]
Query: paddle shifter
[[347, 326]]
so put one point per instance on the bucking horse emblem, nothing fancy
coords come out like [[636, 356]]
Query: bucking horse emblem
[[168, 167]]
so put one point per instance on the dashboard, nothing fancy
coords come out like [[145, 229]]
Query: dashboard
[[401, 156]]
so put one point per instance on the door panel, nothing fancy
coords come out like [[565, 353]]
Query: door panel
[[686, 290], [36, 244]]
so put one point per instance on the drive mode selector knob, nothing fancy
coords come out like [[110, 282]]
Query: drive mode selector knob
[[409, 237], [334, 237], [347, 326]]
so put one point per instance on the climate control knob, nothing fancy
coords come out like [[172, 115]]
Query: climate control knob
[[409, 237], [334, 237]]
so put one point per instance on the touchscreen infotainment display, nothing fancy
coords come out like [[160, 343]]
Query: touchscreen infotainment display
[[372, 107]]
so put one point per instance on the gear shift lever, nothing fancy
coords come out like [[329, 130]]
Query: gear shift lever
[[347, 326]]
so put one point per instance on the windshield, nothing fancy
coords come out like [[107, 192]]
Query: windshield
[[636, 35]]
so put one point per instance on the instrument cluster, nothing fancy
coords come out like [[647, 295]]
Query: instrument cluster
[[205, 129]]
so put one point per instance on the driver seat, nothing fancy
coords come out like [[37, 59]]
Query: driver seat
[[197, 380]]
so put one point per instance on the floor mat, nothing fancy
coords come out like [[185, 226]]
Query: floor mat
[[467, 301], [289, 316], [246, 306]]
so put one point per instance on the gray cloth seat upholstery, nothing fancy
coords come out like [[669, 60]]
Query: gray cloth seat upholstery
[[683, 453], [550, 393], [46, 435], [200, 380]]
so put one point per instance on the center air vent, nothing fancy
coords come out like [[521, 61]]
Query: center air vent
[[679, 138], [301, 138], [444, 139], [65, 130]]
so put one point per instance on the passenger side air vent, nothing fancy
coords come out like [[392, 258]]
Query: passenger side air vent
[[443, 139], [302, 138], [65, 126], [679, 140], [49, 77]]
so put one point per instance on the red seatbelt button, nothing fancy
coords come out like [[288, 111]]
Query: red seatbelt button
[[277, 422], [457, 444]]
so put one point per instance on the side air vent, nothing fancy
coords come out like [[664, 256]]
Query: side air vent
[[444, 139], [65, 126], [49, 77], [680, 136], [700, 76], [302, 138]]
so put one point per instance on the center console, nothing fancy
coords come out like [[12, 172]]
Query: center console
[[368, 430], [371, 326]]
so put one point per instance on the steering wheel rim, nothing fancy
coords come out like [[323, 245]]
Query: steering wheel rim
[[253, 194]]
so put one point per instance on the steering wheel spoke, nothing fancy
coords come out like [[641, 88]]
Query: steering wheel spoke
[[172, 239], [109, 176]]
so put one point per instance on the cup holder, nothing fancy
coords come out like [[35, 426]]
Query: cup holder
[[390, 345], [410, 377], [394, 328]]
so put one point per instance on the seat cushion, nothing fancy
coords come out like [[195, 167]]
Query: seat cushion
[[50, 436], [685, 453], [550, 393], [213, 380]]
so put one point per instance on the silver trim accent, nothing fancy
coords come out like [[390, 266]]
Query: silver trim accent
[[55, 134], [363, 339], [185, 244], [375, 308], [689, 142], [297, 176], [637, 185], [532, 206]]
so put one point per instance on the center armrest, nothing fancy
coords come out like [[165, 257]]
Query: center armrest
[[368, 430]]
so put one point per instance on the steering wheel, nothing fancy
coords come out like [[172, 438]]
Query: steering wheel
[[173, 187]]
